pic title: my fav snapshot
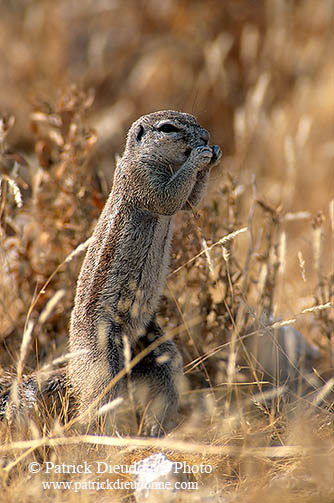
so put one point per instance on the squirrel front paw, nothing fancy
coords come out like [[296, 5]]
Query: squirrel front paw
[[216, 155], [206, 156], [202, 156]]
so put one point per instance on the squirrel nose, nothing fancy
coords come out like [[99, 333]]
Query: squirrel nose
[[204, 136]]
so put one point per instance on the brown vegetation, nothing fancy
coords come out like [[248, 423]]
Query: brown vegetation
[[259, 75]]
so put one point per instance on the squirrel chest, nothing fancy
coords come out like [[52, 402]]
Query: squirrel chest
[[128, 272]]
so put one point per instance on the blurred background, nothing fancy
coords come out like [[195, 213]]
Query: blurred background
[[257, 74], [264, 66]]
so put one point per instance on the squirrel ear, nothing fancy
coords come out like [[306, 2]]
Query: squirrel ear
[[139, 132]]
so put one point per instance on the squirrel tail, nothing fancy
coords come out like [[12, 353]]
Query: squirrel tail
[[18, 396]]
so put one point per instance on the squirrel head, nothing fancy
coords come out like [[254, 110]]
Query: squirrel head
[[169, 135]]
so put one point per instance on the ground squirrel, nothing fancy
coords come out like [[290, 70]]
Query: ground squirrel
[[165, 168]]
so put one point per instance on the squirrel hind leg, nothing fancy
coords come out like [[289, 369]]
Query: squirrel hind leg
[[157, 380]]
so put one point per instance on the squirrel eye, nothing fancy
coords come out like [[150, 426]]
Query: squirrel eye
[[168, 128]]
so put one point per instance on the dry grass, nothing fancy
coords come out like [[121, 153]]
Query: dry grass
[[259, 76]]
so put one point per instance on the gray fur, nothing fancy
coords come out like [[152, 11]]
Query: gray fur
[[123, 274], [18, 397]]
